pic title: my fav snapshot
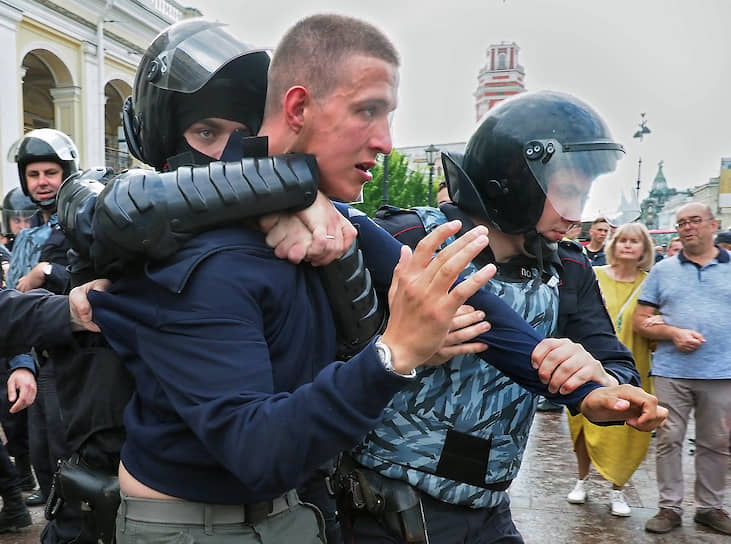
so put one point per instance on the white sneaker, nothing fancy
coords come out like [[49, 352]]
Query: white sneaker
[[619, 504], [578, 494]]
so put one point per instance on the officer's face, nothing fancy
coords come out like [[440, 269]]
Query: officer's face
[[43, 179], [565, 198], [19, 223], [350, 126], [210, 135]]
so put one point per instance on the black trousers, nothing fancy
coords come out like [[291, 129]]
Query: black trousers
[[47, 439], [14, 425], [8, 474]]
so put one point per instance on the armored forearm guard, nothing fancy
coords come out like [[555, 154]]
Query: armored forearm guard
[[353, 301], [76, 199], [148, 215]]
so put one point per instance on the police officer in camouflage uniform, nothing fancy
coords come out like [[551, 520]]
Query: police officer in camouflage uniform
[[458, 434]]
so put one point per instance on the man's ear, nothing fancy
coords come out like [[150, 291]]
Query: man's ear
[[296, 101]]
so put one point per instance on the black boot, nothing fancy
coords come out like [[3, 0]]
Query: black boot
[[14, 515], [27, 480]]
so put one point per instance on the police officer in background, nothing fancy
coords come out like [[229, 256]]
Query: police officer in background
[[526, 173], [45, 157], [17, 210], [16, 213]]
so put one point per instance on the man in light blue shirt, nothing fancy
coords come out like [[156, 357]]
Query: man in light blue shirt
[[691, 367]]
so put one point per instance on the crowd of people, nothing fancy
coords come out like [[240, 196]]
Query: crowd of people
[[221, 350]]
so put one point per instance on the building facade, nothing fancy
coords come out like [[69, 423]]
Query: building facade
[[658, 210], [70, 64]]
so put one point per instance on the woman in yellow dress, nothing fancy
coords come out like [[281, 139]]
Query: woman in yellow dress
[[616, 451]]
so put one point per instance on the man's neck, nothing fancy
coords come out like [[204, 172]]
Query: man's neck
[[591, 246], [281, 140], [703, 257]]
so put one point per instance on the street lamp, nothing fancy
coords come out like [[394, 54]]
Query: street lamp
[[431, 155], [384, 200], [640, 135]]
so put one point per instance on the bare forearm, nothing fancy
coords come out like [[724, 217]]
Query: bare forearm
[[655, 332]]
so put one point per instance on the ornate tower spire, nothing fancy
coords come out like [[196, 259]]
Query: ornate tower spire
[[500, 78]]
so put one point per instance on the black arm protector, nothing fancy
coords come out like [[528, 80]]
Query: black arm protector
[[353, 301], [144, 215]]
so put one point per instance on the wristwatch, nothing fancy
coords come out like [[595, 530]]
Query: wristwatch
[[47, 269], [384, 354]]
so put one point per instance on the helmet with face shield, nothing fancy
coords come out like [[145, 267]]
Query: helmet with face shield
[[16, 211], [533, 149], [41, 145], [192, 70]]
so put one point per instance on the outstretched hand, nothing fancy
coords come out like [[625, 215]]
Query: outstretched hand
[[633, 405], [422, 302]]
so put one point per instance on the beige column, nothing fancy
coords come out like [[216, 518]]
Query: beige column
[[11, 122], [66, 101]]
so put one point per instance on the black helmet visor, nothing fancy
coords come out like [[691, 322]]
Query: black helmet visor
[[566, 172], [188, 61]]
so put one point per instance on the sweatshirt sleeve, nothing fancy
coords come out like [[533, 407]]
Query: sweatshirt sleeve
[[33, 318]]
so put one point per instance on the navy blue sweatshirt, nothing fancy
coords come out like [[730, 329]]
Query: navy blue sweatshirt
[[237, 395]]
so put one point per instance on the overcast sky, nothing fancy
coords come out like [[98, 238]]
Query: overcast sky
[[668, 58]]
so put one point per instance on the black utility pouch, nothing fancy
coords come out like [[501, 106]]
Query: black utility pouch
[[89, 490], [394, 502]]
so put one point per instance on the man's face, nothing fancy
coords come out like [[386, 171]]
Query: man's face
[[347, 129], [695, 228], [43, 179], [567, 192], [210, 135], [599, 232], [673, 248]]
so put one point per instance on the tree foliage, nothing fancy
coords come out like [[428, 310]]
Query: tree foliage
[[406, 187]]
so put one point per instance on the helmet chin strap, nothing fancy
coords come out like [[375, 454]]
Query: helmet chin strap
[[46, 205], [541, 248]]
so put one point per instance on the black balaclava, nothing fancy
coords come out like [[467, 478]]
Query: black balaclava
[[221, 98]]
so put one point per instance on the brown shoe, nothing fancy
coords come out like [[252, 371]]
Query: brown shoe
[[716, 519], [664, 521]]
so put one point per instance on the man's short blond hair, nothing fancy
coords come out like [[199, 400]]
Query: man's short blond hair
[[311, 52], [648, 246]]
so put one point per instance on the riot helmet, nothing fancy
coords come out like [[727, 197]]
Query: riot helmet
[[17, 209], [41, 145], [532, 148], [192, 70]]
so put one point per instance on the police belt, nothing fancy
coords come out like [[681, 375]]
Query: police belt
[[197, 513]]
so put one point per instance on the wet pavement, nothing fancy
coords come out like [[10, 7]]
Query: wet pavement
[[539, 502], [543, 515]]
